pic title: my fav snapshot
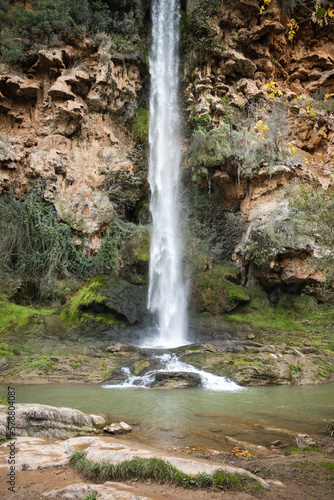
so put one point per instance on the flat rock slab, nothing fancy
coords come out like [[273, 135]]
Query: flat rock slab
[[32, 453], [106, 491]]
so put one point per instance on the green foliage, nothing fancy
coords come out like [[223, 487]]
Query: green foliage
[[212, 229], [327, 465], [50, 21], [295, 369], [313, 207], [214, 293], [156, 470], [250, 143], [140, 125], [91, 496], [41, 364], [124, 189], [89, 293], [38, 249]]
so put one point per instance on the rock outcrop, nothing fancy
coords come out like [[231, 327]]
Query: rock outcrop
[[51, 422]]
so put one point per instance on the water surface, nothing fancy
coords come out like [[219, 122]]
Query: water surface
[[176, 418]]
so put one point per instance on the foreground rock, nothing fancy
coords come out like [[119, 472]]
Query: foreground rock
[[107, 491], [34, 453], [50, 422]]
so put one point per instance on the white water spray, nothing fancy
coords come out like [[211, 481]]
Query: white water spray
[[171, 364], [166, 296]]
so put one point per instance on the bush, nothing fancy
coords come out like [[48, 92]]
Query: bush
[[252, 143], [217, 228], [50, 21]]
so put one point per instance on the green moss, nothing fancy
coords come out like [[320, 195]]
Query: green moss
[[140, 366], [42, 364], [214, 293], [88, 294], [141, 252], [243, 362], [13, 316], [140, 125], [292, 314]]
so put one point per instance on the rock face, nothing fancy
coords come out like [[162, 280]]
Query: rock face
[[51, 422], [107, 491], [61, 121]]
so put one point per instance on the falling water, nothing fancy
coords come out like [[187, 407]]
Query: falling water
[[166, 297]]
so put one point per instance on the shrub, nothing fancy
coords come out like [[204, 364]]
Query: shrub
[[37, 248]]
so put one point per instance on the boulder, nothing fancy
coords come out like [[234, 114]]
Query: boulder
[[303, 440], [51, 422], [176, 380], [120, 428]]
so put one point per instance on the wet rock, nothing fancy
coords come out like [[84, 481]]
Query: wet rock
[[176, 380], [120, 428]]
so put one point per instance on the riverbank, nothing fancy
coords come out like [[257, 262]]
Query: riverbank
[[300, 473]]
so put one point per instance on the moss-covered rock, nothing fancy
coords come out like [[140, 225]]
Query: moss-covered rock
[[13, 316], [214, 292], [107, 299]]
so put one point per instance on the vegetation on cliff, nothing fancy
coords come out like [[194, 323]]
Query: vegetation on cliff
[[48, 23]]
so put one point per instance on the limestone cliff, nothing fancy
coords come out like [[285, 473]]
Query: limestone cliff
[[67, 117]]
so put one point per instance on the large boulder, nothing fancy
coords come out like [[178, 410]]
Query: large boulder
[[50, 422]]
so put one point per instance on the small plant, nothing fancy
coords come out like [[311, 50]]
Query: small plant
[[91, 496], [295, 369]]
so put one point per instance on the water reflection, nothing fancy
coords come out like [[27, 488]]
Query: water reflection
[[168, 418]]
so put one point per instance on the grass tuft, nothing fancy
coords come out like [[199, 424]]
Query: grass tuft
[[157, 470]]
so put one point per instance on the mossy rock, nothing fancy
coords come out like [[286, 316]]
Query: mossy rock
[[13, 316], [135, 255], [108, 299], [212, 291]]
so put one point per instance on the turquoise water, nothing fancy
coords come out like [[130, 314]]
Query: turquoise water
[[170, 418]]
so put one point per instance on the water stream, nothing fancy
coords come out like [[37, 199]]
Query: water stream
[[170, 364], [166, 296]]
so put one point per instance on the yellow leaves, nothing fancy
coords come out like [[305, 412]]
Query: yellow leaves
[[259, 123], [271, 88], [292, 149], [325, 136], [293, 28], [307, 108], [265, 127], [240, 452], [263, 8], [280, 133], [330, 13], [250, 131]]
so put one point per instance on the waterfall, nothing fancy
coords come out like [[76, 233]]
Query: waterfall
[[166, 296]]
